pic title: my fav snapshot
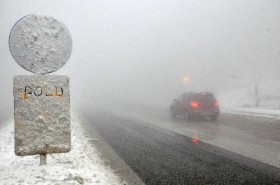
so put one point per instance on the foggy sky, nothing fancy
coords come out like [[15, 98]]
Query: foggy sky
[[139, 51]]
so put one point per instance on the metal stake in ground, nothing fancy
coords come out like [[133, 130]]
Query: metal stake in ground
[[41, 44], [43, 159]]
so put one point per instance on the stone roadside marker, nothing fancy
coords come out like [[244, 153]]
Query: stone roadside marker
[[42, 114], [41, 44]]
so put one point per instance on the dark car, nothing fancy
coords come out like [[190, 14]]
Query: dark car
[[193, 105]]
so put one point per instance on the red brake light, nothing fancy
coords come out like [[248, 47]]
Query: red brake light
[[195, 138], [194, 104], [216, 104]]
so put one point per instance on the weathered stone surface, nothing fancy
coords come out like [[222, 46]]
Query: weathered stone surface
[[42, 114], [40, 44]]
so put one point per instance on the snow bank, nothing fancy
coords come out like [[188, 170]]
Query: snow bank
[[82, 165], [268, 113]]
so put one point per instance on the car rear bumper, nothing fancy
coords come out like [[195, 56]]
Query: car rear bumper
[[205, 113]]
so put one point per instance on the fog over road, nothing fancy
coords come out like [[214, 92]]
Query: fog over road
[[140, 52], [233, 150]]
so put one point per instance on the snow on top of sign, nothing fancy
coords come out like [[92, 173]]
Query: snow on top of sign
[[40, 44], [83, 165]]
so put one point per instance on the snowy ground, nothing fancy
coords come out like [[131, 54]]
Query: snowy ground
[[83, 165], [257, 112]]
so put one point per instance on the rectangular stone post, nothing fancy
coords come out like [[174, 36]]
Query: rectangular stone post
[[42, 115]]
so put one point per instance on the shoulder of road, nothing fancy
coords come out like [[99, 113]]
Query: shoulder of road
[[82, 165]]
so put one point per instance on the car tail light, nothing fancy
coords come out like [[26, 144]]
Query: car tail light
[[216, 104], [194, 104]]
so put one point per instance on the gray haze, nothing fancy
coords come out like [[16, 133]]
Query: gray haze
[[139, 51]]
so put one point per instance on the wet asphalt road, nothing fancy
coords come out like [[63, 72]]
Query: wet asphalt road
[[159, 156]]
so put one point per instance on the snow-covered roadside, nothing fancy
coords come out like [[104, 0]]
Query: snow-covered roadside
[[82, 165], [257, 112]]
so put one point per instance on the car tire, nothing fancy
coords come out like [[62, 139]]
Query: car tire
[[187, 116], [172, 113], [214, 118]]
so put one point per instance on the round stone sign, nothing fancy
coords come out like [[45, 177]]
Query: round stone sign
[[40, 44]]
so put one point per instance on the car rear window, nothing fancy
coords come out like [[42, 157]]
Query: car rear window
[[204, 98]]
